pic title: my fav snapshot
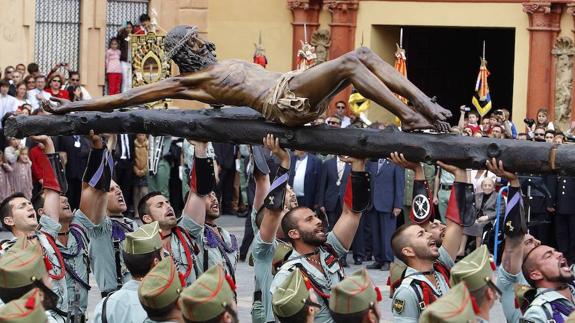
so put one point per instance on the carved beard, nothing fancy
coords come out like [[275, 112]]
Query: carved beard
[[190, 61]]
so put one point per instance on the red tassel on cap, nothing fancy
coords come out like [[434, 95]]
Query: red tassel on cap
[[378, 292], [48, 263], [231, 282], [475, 305], [388, 281], [517, 303], [307, 283], [493, 267], [30, 303]]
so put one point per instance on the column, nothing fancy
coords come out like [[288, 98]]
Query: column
[[544, 26], [305, 16], [343, 23]]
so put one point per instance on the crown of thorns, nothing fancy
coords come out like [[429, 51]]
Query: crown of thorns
[[190, 31]]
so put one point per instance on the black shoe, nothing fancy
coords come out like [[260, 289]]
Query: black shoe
[[385, 266], [375, 265], [242, 258], [358, 261]]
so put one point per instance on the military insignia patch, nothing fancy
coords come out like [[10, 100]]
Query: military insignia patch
[[522, 320], [421, 207], [398, 305]]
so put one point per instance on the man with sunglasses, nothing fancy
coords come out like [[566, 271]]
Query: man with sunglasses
[[38, 93], [340, 113], [539, 134], [333, 121], [73, 81]]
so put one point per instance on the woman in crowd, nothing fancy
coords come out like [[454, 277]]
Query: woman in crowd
[[22, 174], [54, 87], [5, 186], [21, 93]]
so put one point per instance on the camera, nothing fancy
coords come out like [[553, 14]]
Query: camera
[[464, 108], [529, 122]]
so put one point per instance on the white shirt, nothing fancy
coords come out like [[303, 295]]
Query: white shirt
[[345, 121], [33, 100], [340, 169], [299, 177], [8, 104], [125, 144]]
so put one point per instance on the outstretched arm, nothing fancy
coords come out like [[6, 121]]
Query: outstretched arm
[[94, 198], [346, 227], [272, 216], [51, 186], [202, 182], [174, 87], [454, 231]]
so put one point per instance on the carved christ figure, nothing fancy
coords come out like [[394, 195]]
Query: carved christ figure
[[292, 98]]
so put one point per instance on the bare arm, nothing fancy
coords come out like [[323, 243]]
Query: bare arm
[[170, 88], [94, 202], [51, 197], [454, 231], [195, 206], [346, 227], [272, 218]]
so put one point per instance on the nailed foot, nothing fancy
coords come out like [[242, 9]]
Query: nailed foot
[[432, 110]]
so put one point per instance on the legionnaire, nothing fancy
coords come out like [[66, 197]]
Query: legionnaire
[[18, 215], [293, 301], [159, 292], [547, 270], [477, 271], [142, 250], [316, 252], [72, 243], [27, 309], [100, 218], [22, 270], [428, 248], [456, 306], [216, 244], [269, 248], [355, 299], [210, 298]]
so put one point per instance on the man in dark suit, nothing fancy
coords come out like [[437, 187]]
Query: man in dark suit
[[562, 190], [388, 186], [304, 178], [77, 149], [124, 168], [226, 158], [334, 174]]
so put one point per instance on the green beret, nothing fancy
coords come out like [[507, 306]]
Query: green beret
[[354, 294], [146, 239], [27, 309], [290, 296], [22, 264], [475, 269], [161, 286], [453, 307], [208, 296]]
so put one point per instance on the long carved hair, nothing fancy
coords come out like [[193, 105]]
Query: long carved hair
[[178, 48]]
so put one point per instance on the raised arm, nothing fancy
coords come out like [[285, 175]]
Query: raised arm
[[356, 200], [169, 88], [274, 207], [202, 183], [460, 211], [96, 181], [512, 257], [51, 180]]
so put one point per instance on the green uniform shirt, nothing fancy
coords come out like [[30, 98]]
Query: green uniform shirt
[[122, 306], [327, 280], [263, 253], [506, 283], [540, 309], [214, 255], [405, 303], [78, 264], [101, 250]]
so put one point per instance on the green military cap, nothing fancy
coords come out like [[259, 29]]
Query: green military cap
[[144, 240], [161, 286], [396, 270], [354, 294], [27, 309], [22, 264], [209, 296], [291, 295], [524, 295], [455, 306], [476, 269]]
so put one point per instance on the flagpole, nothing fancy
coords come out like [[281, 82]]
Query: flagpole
[[483, 50], [401, 37], [304, 32]]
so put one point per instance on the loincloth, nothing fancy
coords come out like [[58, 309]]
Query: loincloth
[[283, 106]]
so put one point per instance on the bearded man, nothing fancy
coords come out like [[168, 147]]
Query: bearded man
[[293, 98]]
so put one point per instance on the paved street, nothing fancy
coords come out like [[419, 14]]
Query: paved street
[[244, 277]]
